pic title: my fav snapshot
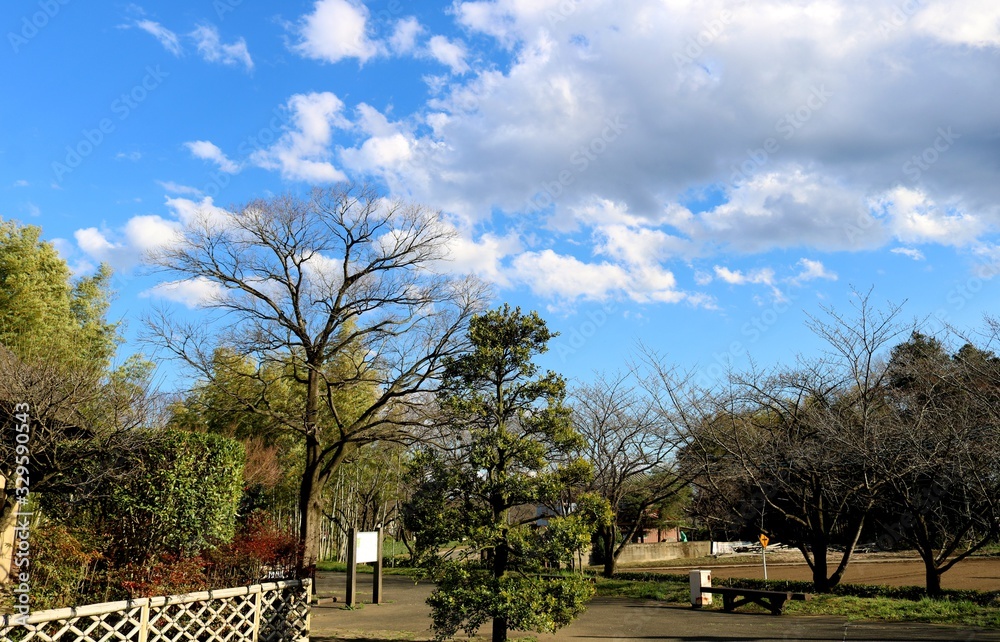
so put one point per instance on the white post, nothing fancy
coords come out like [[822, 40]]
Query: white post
[[258, 607], [763, 555], [144, 622], [700, 579]]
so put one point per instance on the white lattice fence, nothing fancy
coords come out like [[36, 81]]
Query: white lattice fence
[[273, 612]]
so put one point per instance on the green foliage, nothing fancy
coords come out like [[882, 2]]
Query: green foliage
[[514, 454], [467, 596], [181, 497], [41, 309]]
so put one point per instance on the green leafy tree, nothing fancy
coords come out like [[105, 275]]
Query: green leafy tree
[[512, 453]]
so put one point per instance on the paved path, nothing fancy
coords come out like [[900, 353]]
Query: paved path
[[405, 617]]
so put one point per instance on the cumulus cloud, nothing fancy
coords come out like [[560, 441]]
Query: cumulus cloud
[[206, 150], [800, 159], [565, 277], [192, 293], [448, 52], [335, 30], [124, 249], [404, 35], [212, 49], [303, 152], [915, 217]]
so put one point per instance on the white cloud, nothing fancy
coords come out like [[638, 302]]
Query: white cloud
[[21, 183], [209, 151], [125, 248], [484, 256], [303, 151], [812, 270], [565, 277], [167, 38], [404, 35], [763, 276], [190, 212], [129, 156], [213, 49], [911, 252], [537, 123], [192, 293], [177, 188], [915, 217], [448, 52], [975, 23], [335, 30]]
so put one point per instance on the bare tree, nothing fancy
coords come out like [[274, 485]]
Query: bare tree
[[945, 501], [810, 444], [335, 296], [75, 416], [632, 445]]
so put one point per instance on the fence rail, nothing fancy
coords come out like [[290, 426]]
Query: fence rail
[[271, 612]]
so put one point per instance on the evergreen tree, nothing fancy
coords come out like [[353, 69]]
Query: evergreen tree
[[512, 456]]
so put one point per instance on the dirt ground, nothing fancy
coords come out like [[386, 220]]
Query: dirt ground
[[981, 574]]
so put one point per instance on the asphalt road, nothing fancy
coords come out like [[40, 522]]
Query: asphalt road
[[404, 616]]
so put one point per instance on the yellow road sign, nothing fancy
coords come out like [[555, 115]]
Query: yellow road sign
[[764, 540]]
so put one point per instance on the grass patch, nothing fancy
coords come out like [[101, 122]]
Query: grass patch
[[873, 603], [665, 591], [957, 612], [341, 567]]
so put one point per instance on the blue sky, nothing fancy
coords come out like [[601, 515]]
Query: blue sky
[[696, 176]]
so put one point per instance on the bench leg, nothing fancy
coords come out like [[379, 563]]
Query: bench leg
[[777, 605]]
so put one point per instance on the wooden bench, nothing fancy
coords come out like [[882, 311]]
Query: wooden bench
[[733, 598]]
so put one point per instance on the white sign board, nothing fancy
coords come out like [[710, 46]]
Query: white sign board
[[367, 547]]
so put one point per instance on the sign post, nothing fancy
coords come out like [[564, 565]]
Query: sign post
[[763, 551], [364, 547]]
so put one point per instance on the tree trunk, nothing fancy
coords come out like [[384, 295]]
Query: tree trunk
[[820, 579], [311, 512], [499, 629], [607, 535], [933, 581], [500, 558]]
